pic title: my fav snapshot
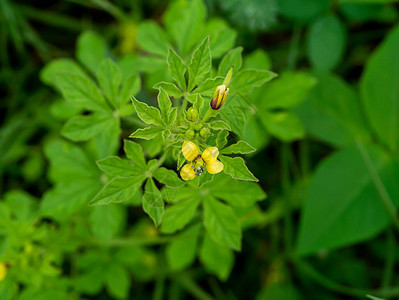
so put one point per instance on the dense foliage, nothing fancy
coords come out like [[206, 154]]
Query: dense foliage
[[199, 149]]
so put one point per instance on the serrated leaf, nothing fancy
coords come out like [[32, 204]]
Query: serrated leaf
[[246, 80], [208, 87], [119, 189], [152, 202], [221, 139], [164, 104], [241, 147], [221, 223], [200, 64], [110, 77], [179, 214], [170, 88], [83, 128], [152, 38], [219, 125], [236, 168], [135, 153], [232, 58], [148, 114], [147, 133], [115, 166], [167, 177], [177, 69], [81, 91]]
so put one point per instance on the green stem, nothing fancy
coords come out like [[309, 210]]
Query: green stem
[[379, 185], [192, 287], [208, 114]]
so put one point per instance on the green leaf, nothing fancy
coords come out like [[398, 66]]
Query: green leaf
[[244, 81], [178, 215], [131, 86], [167, 177], [208, 87], [181, 252], [119, 189], [135, 153], [200, 64], [147, 133], [115, 166], [342, 205], [117, 281], [170, 88], [380, 90], [286, 126], [258, 59], [81, 91], [241, 147], [232, 58], [234, 116], [49, 73], [221, 37], [177, 69], [164, 105], [90, 50], [287, 91], [326, 43], [22, 205], [152, 38], [108, 142], [152, 202], [221, 139], [83, 128], [148, 114], [306, 11], [332, 112], [222, 224], [217, 259], [236, 193], [110, 77], [219, 125], [107, 221], [236, 168]]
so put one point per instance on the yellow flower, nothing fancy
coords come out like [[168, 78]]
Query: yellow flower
[[3, 271], [207, 159]]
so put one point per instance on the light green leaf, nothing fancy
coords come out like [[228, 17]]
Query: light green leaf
[[167, 177], [108, 142], [147, 133], [200, 65], [258, 59], [152, 38], [181, 252], [236, 193], [235, 117], [284, 125], [207, 88], [287, 91], [179, 214], [110, 77], [107, 221], [131, 86], [222, 224], [170, 88], [22, 205], [380, 90], [219, 125], [236, 168], [221, 37], [326, 43], [217, 259], [152, 202], [148, 114], [49, 73], [244, 81], [342, 205], [115, 166], [177, 69], [90, 50], [117, 281], [232, 58], [81, 91], [83, 128], [164, 104], [119, 189], [221, 139], [241, 147], [135, 153]]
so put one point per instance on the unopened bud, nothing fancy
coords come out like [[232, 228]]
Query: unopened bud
[[205, 133], [219, 97], [192, 114], [198, 126], [190, 134]]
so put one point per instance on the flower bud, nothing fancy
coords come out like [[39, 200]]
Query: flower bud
[[190, 134], [198, 126], [205, 133], [192, 114], [219, 97]]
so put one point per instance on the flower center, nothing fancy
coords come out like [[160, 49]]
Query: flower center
[[198, 165]]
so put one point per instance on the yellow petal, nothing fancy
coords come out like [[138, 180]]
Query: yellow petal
[[210, 154], [3, 271], [190, 150], [214, 167], [187, 172]]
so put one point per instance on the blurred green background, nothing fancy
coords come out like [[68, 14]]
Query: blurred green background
[[326, 131]]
